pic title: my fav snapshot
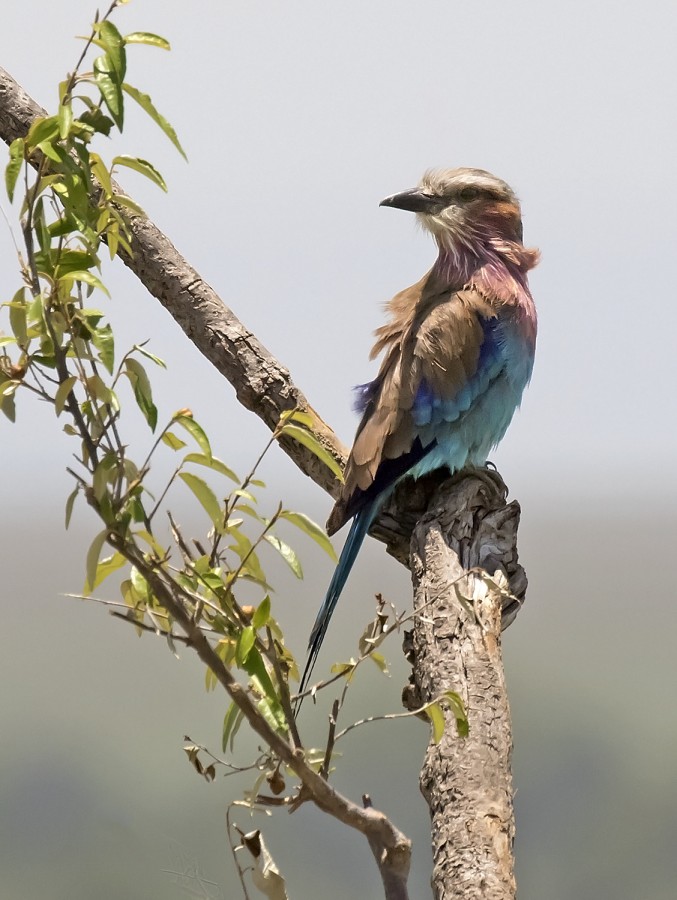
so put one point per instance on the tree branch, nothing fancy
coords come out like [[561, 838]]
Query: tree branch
[[261, 383], [391, 848], [467, 782]]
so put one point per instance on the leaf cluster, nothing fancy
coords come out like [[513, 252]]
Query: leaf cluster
[[59, 347]]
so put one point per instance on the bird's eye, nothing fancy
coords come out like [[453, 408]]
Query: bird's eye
[[468, 194]]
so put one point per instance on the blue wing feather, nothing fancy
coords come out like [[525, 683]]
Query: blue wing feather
[[452, 431]]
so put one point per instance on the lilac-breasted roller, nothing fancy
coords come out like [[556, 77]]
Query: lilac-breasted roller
[[458, 353]]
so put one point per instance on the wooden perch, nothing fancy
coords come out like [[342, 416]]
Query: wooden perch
[[467, 782]]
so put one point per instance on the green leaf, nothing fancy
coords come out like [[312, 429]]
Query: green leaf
[[286, 553], [16, 158], [248, 511], [85, 278], [195, 430], [298, 416], [101, 173], [240, 492], [436, 716], [102, 475], [252, 571], [256, 668], [103, 340], [211, 462], [114, 44], [380, 660], [159, 551], [108, 83], [340, 667], [142, 390], [146, 104], [231, 724], [245, 642], [65, 118], [458, 711], [225, 650], [68, 261], [128, 203], [206, 497], [262, 614], [308, 439], [8, 387], [17, 319], [93, 560], [62, 226], [55, 154], [312, 529], [107, 566], [42, 129], [151, 356], [140, 585], [434, 712], [244, 549], [142, 166], [272, 712], [62, 393], [91, 316], [69, 504], [8, 406], [145, 37], [97, 120], [171, 440], [101, 392]]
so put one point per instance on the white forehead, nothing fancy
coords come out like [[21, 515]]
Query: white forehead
[[441, 181]]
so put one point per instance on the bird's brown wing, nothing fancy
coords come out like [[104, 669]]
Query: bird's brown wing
[[436, 341]]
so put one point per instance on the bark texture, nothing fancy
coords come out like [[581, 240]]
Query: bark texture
[[261, 383], [467, 782]]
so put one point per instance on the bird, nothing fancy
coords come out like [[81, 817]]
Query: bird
[[458, 352]]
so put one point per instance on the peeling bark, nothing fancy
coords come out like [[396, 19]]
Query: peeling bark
[[467, 782]]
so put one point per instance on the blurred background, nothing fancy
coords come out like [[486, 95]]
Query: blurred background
[[298, 118]]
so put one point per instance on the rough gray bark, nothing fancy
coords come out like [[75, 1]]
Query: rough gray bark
[[467, 782]]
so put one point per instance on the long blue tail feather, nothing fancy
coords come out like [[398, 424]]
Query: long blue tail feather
[[358, 530]]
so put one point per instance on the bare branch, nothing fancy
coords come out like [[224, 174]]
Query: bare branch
[[394, 848], [467, 782]]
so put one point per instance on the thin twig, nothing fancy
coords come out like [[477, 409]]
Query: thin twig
[[331, 738], [240, 872], [283, 685]]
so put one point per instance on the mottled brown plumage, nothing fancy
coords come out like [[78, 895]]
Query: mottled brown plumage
[[434, 336]]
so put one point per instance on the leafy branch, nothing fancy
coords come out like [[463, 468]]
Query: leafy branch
[[59, 348]]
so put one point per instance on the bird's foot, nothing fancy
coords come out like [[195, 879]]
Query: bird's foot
[[488, 474]]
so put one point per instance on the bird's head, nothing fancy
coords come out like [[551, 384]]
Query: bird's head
[[461, 206]]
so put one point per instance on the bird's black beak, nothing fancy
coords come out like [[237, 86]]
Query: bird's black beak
[[414, 200]]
